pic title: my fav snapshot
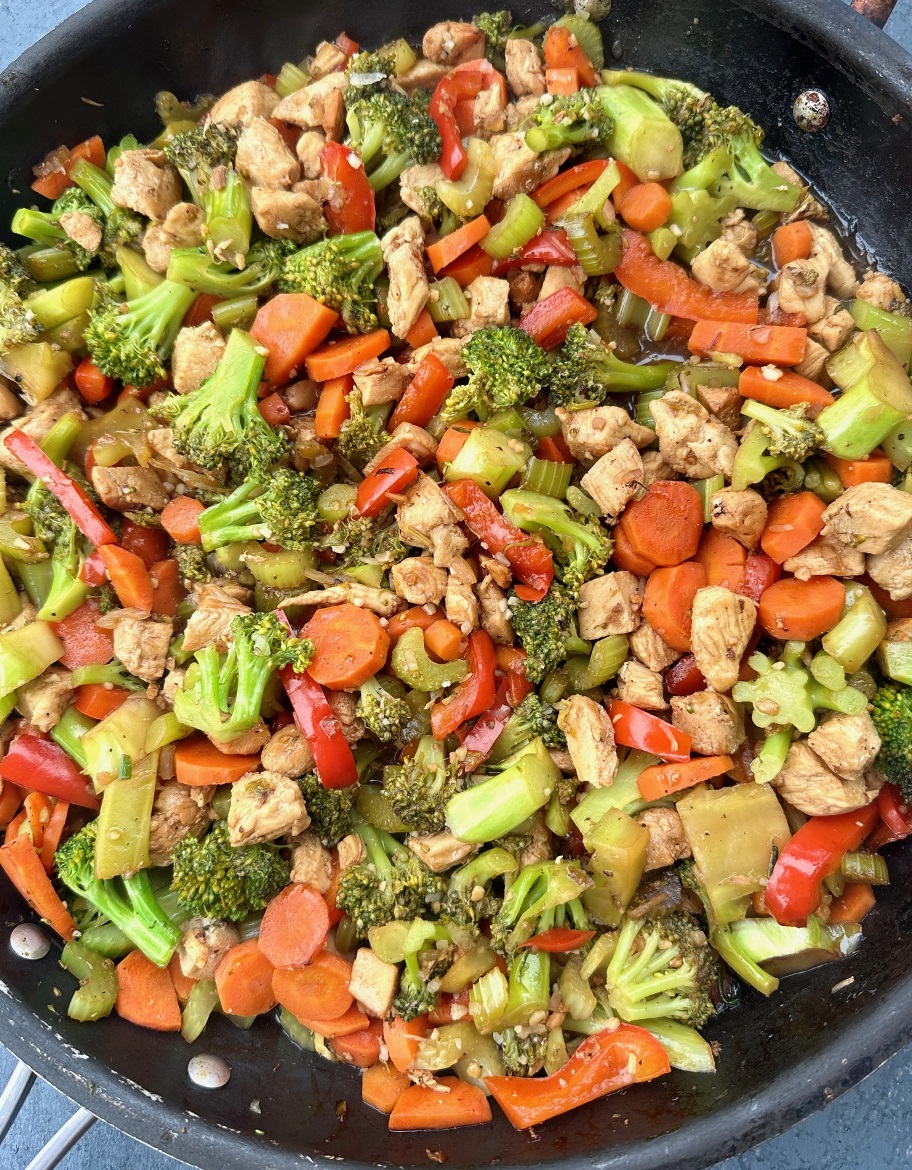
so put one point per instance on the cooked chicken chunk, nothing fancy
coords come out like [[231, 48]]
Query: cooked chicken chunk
[[489, 304], [197, 351], [145, 181], [308, 149], [720, 631], [350, 851], [739, 514], [739, 230], [813, 364], [714, 722], [461, 605], [416, 188], [615, 479], [288, 753], [656, 467], [724, 403], [694, 444], [519, 169], [426, 518], [127, 489], [592, 433], [667, 841], [37, 424], [210, 622], [82, 230], [344, 707], [307, 107], [416, 440], [142, 645], [373, 983], [380, 380], [248, 743], [263, 157], [203, 945], [10, 405], [802, 289], [826, 251], [723, 267], [847, 744], [827, 556], [872, 517], [495, 613], [423, 74], [440, 851], [287, 215], [610, 605], [590, 740], [879, 290], [403, 251], [239, 106], [419, 581], [893, 570], [453, 41], [558, 277], [807, 784], [497, 569], [182, 228], [43, 700], [382, 602], [640, 686], [525, 70], [311, 862], [834, 329], [489, 113], [651, 649], [264, 806], [178, 811], [447, 349]]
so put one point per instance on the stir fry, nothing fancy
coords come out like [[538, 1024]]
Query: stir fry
[[456, 579]]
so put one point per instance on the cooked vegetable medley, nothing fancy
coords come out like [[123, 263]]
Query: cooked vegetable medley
[[456, 580]]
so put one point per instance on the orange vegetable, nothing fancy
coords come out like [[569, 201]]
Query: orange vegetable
[[877, 468], [179, 519], [350, 646], [646, 206], [10, 800], [244, 981], [783, 345], [337, 358], [291, 326], [445, 640], [627, 182], [38, 809], [421, 1107], [562, 81], [167, 590], [424, 395], [791, 524], [416, 616], [475, 262], [129, 576], [722, 557], [668, 601], [423, 331], [146, 994], [554, 450], [665, 525], [451, 247], [274, 410], [453, 441], [361, 1049], [56, 178], [853, 904], [84, 644], [182, 984], [570, 180], [625, 558], [53, 833], [294, 926], [354, 1020], [893, 609], [792, 241], [661, 780], [97, 700], [382, 1085], [201, 310], [17, 827], [561, 50], [315, 992], [332, 407], [402, 1038], [785, 388], [802, 610], [198, 762]]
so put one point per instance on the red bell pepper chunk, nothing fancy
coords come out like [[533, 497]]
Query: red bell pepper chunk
[[41, 765], [896, 816], [93, 571], [684, 677], [638, 729], [474, 695], [346, 45], [759, 572], [550, 247], [351, 206], [424, 395], [313, 715], [558, 940], [395, 472], [485, 733], [80, 508], [812, 854], [463, 84], [547, 323]]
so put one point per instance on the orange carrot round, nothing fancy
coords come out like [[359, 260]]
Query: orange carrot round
[[291, 326], [416, 616], [97, 700], [382, 1085], [664, 526], [421, 1107], [792, 523], [198, 762], [877, 468], [243, 980], [722, 557], [668, 601], [801, 610], [179, 519], [182, 984], [317, 992], [354, 1020], [146, 995], [625, 558], [361, 1049], [294, 926], [337, 358], [646, 206], [167, 590], [792, 241], [453, 441], [350, 646]]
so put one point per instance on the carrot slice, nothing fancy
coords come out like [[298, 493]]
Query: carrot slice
[[402, 1038], [316, 992], [53, 834], [792, 523], [783, 345], [801, 610], [294, 926], [420, 1107], [23, 867], [563, 81], [361, 1049], [382, 1085], [350, 646], [182, 984], [668, 601], [198, 763], [877, 468], [661, 780], [581, 175], [451, 247], [129, 576], [625, 558], [291, 326], [416, 616], [179, 519], [781, 388], [471, 264], [97, 701], [445, 640], [792, 241], [646, 206], [665, 525], [335, 359], [354, 1020], [84, 644], [146, 994], [332, 407], [853, 904], [423, 331], [723, 558], [244, 981], [453, 441]]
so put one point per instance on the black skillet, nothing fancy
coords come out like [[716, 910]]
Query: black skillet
[[780, 1058]]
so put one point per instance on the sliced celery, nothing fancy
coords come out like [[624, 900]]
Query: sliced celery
[[898, 445], [490, 458], [447, 301], [894, 328], [498, 805], [618, 846], [287, 569], [866, 867], [291, 78], [199, 1007], [122, 845], [469, 196], [236, 313], [25, 653], [522, 220], [547, 477], [706, 489], [858, 632], [597, 255]]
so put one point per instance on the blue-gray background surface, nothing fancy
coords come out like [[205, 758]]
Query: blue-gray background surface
[[870, 1128]]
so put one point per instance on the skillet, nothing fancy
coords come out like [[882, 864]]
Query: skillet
[[780, 1059]]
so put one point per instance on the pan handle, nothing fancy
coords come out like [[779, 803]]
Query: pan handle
[[13, 1098], [877, 11]]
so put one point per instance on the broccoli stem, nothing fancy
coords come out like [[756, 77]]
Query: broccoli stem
[[768, 764], [643, 137], [47, 264], [124, 822], [96, 184], [229, 220], [498, 805]]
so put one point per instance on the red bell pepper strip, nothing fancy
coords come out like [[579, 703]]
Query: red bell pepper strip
[[394, 472], [684, 677], [93, 571], [351, 206], [547, 323], [530, 560], [759, 572], [424, 395], [669, 289], [80, 508], [603, 1063], [896, 817], [464, 83], [41, 765], [813, 853], [346, 45], [558, 940], [484, 734], [313, 715], [550, 247], [473, 696], [638, 729]]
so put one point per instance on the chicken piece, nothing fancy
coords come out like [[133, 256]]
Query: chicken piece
[[539, 848], [178, 811], [37, 424], [145, 181], [801, 288], [350, 851], [43, 700], [813, 364], [380, 380], [197, 351], [489, 113], [807, 784], [827, 556], [656, 467], [720, 632], [694, 444], [592, 433], [263, 157], [495, 613], [173, 465], [333, 124], [667, 840], [610, 605], [403, 252], [723, 267], [615, 479], [498, 569], [308, 149], [416, 440], [524, 288], [872, 517], [847, 744], [738, 230], [489, 304], [142, 645], [882, 292], [82, 230], [651, 649], [893, 570], [440, 851], [288, 753], [461, 605], [808, 207], [265, 806], [834, 328], [344, 707], [311, 862], [462, 570], [525, 69], [741, 515], [557, 277], [519, 169], [248, 743], [423, 74], [453, 41], [417, 189], [724, 403], [239, 106], [327, 59], [382, 602], [519, 113], [203, 945], [127, 489], [373, 983], [426, 517], [640, 686], [826, 250], [210, 622], [10, 405], [186, 231], [287, 215], [307, 107], [714, 722], [447, 349], [419, 581], [590, 740]]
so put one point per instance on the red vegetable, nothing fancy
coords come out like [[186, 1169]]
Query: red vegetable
[[550, 247], [333, 757], [760, 571], [424, 395], [558, 940], [351, 206], [684, 677], [393, 474], [547, 323], [38, 763], [896, 816], [464, 83], [484, 734], [92, 384], [474, 695], [638, 729]]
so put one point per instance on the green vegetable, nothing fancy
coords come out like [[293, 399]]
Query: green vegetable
[[498, 805], [54, 306], [686, 1048], [418, 789], [822, 480], [618, 846], [876, 397], [643, 137], [859, 631], [124, 822], [391, 130], [199, 1007], [597, 255], [865, 867], [895, 329], [579, 120], [340, 272], [119, 737], [452, 1044], [788, 432], [522, 220], [25, 653], [544, 629], [461, 903], [547, 477], [587, 371], [291, 78], [215, 879], [607, 657], [891, 710], [468, 196], [44, 227], [133, 345], [505, 367], [195, 268], [98, 984], [363, 432], [490, 458], [282, 508], [447, 301], [787, 693], [411, 663]]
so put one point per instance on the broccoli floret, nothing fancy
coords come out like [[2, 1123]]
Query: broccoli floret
[[195, 268], [587, 371], [368, 73], [358, 541], [198, 151], [216, 879], [414, 996], [362, 434], [543, 628], [339, 272], [13, 273], [789, 432], [281, 509], [204, 155], [129, 902], [419, 788], [220, 422], [392, 130], [52, 524], [506, 368], [462, 903], [330, 809], [44, 227], [531, 718], [522, 1056], [496, 28], [18, 324], [534, 895], [132, 341], [891, 710], [192, 563], [383, 713], [122, 227], [578, 120], [222, 694]]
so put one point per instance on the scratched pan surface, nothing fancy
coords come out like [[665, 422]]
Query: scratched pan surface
[[780, 1058]]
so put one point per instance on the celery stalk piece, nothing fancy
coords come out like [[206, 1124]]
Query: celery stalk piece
[[229, 219], [122, 846], [98, 985], [450, 1043], [468, 968], [489, 458], [707, 489], [488, 998], [66, 594], [10, 603], [237, 313], [119, 736], [199, 1007], [291, 78], [822, 480], [593, 201], [107, 939], [686, 1048], [25, 653], [865, 867], [47, 264], [597, 255], [607, 657], [36, 578], [896, 660], [447, 301], [287, 569], [469, 196], [296, 1032], [412, 665], [576, 994], [70, 731], [522, 220], [876, 397], [547, 477], [894, 328], [644, 137], [501, 803], [53, 306], [618, 846], [784, 950], [139, 278], [898, 445], [858, 632]]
